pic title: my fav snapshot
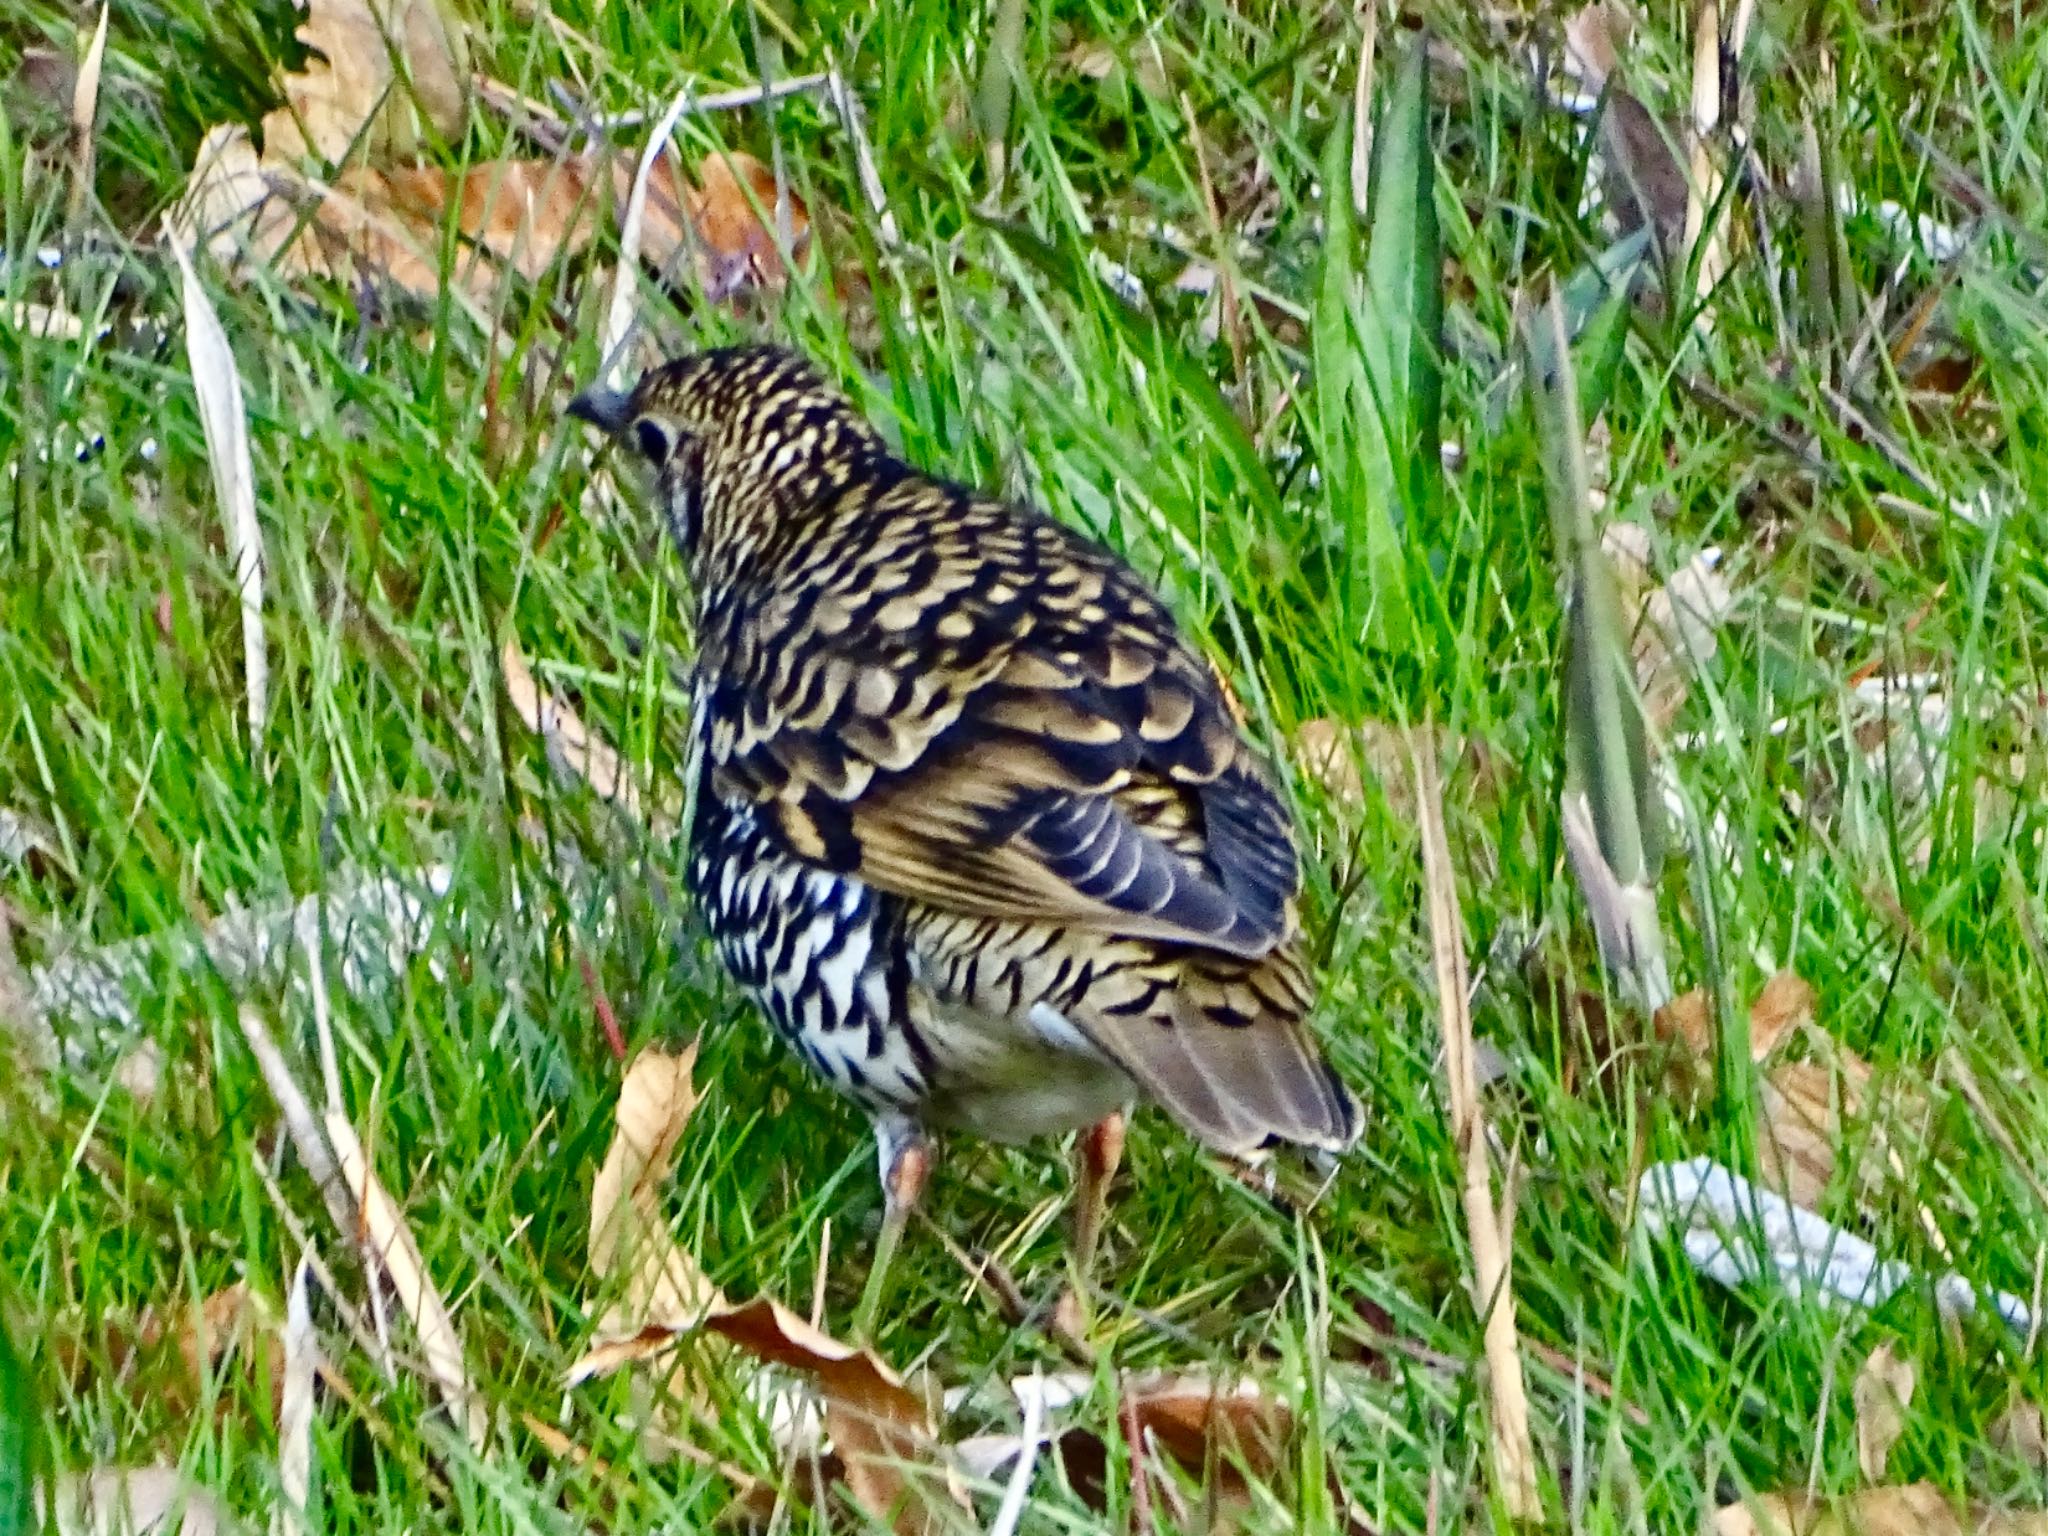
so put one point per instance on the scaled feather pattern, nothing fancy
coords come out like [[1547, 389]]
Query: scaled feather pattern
[[974, 823]]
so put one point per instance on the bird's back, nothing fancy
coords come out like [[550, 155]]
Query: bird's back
[[1070, 860]]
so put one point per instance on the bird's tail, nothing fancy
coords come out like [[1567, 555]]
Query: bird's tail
[[1224, 1051]]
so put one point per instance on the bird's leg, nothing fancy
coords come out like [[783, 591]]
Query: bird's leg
[[1095, 1164], [904, 1154]]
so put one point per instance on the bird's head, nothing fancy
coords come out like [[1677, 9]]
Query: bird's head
[[731, 436]]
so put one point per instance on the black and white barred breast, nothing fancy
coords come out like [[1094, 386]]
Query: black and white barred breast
[[879, 1004]]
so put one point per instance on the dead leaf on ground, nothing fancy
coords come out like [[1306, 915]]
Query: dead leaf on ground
[[1673, 624], [1880, 1396], [1806, 1106], [1344, 759], [169, 1351], [385, 77], [881, 1431], [1917, 1509], [1230, 1439], [1811, 1111], [1784, 1005], [731, 217], [663, 1286], [385, 226], [137, 1501], [2021, 1432]]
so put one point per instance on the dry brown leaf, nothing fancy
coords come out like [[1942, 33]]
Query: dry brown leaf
[[1883, 1389], [1782, 1008], [173, 1349], [386, 226], [735, 249], [222, 1321], [136, 1501], [2021, 1431], [880, 1428], [663, 1285], [389, 1239], [386, 76], [1673, 624], [224, 422], [586, 753], [1805, 1105], [1917, 1509], [1802, 1110], [881, 1431], [1236, 1440]]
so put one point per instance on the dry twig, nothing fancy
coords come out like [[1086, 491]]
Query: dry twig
[[1514, 1458]]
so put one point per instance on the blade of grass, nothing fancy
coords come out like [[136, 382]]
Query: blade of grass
[[1377, 337], [1607, 773]]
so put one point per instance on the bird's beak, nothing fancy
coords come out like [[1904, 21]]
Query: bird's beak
[[603, 407]]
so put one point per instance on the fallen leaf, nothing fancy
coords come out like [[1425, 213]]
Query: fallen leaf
[[1882, 1391], [1784, 1006], [583, 751], [389, 1239], [1673, 625], [663, 1286], [1803, 1108], [385, 77], [225, 425], [386, 226], [136, 1501], [880, 1430], [295, 1408], [1235, 1440], [1917, 1509], [2021, 1431], [734, 248], [224, 1320]]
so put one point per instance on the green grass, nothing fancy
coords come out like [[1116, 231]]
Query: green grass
[[402, 553]]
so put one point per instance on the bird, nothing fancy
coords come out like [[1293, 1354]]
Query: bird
[[973, 822]]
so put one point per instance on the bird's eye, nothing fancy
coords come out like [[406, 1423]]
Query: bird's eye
[[654, 439]]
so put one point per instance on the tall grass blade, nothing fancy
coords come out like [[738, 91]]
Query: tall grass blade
[[1612, 814], [1377, 335]]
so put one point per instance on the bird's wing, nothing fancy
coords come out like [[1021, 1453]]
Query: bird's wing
[[992, 760]]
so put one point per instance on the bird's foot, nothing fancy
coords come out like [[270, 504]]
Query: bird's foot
[[1097, 1157], [904, 1155]]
